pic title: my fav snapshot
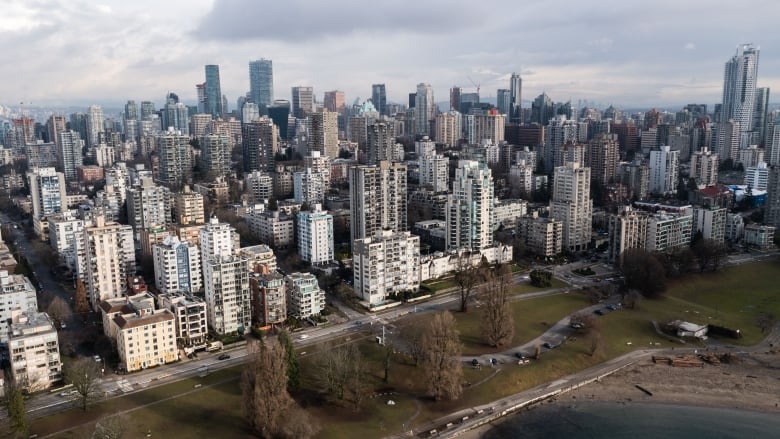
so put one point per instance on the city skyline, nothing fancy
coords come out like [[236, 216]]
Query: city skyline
[[78, 53]]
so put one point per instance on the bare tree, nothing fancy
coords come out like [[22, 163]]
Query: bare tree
[[467, 277], [441, 362], [595, 341], [58, 310], [497, 321], [583, 322], [412, 337], [643, 272], [342, 372], [266, 402], [83, 374], [632, 298]]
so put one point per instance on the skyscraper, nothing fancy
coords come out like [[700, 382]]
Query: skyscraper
[[379, 98], [515, 91], [95, 127], [215, 155], [471, 207], [571, 204], [175, 166], [377, 196], [664, 165], [380, 143], [455, 93], [760, 116], [504, 101], [213, 91], [47, 191], [302, 101], [423, 109], [334, 101], [261, 83], [324, 133], [69, 153], [259, 143], [739, 87]]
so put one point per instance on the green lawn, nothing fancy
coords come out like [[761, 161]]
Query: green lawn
[[524, 288], [436, 285], [532, 317]]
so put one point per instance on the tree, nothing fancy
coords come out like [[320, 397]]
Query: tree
[[631, 299], [342, 370], [16, 409], [58, 310], [267, 405], [291, 358], [541, 278], [498, 323], [643, 272], [676, 261], [583, 322], [80, 299], [412, 335], [441, 361], [709, 254], [467, 277], [83, 374]]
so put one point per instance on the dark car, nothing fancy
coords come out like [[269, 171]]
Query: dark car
[[548, 345], [223, 357], [475, 362], [519, 355], [599, 312]]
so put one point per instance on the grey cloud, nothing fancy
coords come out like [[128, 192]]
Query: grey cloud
[[304, 20]]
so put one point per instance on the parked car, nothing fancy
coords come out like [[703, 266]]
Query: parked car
[[598, 312], [548, 345], [223, 357], [475, 362]]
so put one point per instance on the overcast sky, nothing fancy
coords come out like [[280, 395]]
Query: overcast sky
[[660, 53]]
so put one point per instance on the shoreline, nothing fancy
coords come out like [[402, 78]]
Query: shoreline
[[752, 384]]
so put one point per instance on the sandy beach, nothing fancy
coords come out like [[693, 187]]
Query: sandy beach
[[752, 382]]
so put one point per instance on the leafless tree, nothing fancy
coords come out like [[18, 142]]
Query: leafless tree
[[84, 374], [441, 362], [342, 372], [632, 298], [266, 403], [58, 310], [596, 341], [80, 299], [467, 277], [412, 337], [497, 321], [583, 322]]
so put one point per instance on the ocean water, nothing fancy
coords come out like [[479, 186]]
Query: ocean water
[[635, 421]]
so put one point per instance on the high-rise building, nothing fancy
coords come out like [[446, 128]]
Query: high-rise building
[[627, 230], [261, 83], [309, 186], [384, 263], [728, 140], [455, 100], [213, 92], [315, 235], [471, 207], [704, 167], [434, 172], [47, 191], [175, 167], [481, 127], [571, 204], [259, 186], [324, 133], [148, 205], [54, 126], [259, 143], [35, 353], [215, 155], [188, 208], [602, 157], [175, 115], [110, 259], [504, 101], [711, 222], [302, 101], [269, 296], [664, 165], [227, 293], [379, 98], [279, 113], [95, 125], [515, 91], [377, 199], [380, 144], [739, 87], [304, 296], [177, 266], [559, 132], [772, 209], [424, 108], [542, 109], [334, 101], [69, 153], [760, 116], [17, 294], [757, 177], [217, 240], [448, 128]]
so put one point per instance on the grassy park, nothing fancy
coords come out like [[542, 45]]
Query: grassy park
[[733, 297]]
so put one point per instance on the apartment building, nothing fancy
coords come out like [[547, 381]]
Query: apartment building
[[34, 351], [304, 296], [385, 263]]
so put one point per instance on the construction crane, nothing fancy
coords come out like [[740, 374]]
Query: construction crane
[[474, 84]]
